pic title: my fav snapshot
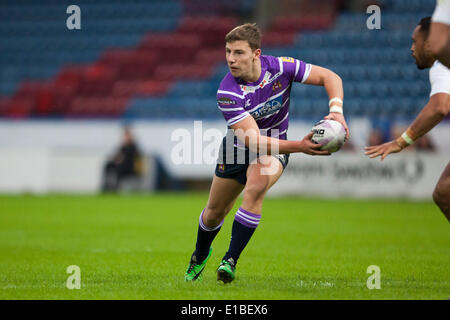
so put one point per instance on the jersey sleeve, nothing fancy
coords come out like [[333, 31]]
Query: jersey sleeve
[[296, 70], [231, 105], [439, 79]]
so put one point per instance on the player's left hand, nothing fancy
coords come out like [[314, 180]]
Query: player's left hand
[[382, 150], [339, 117]]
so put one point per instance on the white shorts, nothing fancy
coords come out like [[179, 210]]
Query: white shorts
[[442, 12]]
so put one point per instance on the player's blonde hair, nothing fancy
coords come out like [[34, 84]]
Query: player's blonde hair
[[248, 32]]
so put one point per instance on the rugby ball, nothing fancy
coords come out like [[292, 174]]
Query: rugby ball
[[330, 134]]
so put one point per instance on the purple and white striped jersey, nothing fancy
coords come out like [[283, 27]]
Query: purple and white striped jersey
[[267, 99]]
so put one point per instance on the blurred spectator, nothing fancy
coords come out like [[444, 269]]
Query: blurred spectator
[[125, 163], [348, 146], [424, 143], [376, 137]]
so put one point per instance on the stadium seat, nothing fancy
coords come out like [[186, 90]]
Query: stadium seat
[[168, 60]]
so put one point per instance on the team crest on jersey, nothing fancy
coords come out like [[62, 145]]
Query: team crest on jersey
[[277, 85], [288, 59]]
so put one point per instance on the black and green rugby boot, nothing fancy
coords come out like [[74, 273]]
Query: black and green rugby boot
[[226, 271], [194, 270]]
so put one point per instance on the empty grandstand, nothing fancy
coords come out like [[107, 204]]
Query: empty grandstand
[[164, 59]]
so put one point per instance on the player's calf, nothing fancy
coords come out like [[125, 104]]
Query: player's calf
[[441, 196], [244, 225]]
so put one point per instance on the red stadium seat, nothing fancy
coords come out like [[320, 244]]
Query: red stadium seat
[[303, 22], [211, 29], [278, 38], [97, 80], [150, 87], [153, 88], [20, 107], [29, 88], [175, 48], [60, 95], [131, 64], [125, 88], [210, 56], [44, 100], [70, 75], [114, 57], [4, 105], [180, 71]]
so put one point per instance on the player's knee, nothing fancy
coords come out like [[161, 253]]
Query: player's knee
[[214, 215], [255, 191]]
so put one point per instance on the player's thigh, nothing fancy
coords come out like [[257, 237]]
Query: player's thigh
[[222, 195], [262, 175], [442, 189]]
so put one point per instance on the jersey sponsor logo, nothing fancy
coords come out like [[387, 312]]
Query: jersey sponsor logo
[[270, 107], [226, 101], [288, 59]]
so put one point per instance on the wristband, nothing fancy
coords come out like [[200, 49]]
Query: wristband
[[335, 99], [401, 143], [406, 139], [336, 109]]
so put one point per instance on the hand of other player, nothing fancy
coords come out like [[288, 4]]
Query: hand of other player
[[339, 117], [309, 147], [382, 149]]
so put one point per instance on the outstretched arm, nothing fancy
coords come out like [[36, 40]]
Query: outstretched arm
[[436, 109]]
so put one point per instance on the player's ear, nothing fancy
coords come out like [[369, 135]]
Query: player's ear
[[257, 53]]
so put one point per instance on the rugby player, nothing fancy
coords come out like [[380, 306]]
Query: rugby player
[[435, 110], [440, 32], [254, 100]]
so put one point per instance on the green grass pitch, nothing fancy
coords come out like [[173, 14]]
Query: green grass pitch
[[138, 247]]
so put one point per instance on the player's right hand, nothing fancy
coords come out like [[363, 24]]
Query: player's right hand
[[339, 118], [309, 147], [382, 150]]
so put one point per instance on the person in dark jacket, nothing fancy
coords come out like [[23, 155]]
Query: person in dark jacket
[[122, 164]]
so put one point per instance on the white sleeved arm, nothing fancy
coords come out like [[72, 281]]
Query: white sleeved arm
[[442, 12], [439, 79]]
